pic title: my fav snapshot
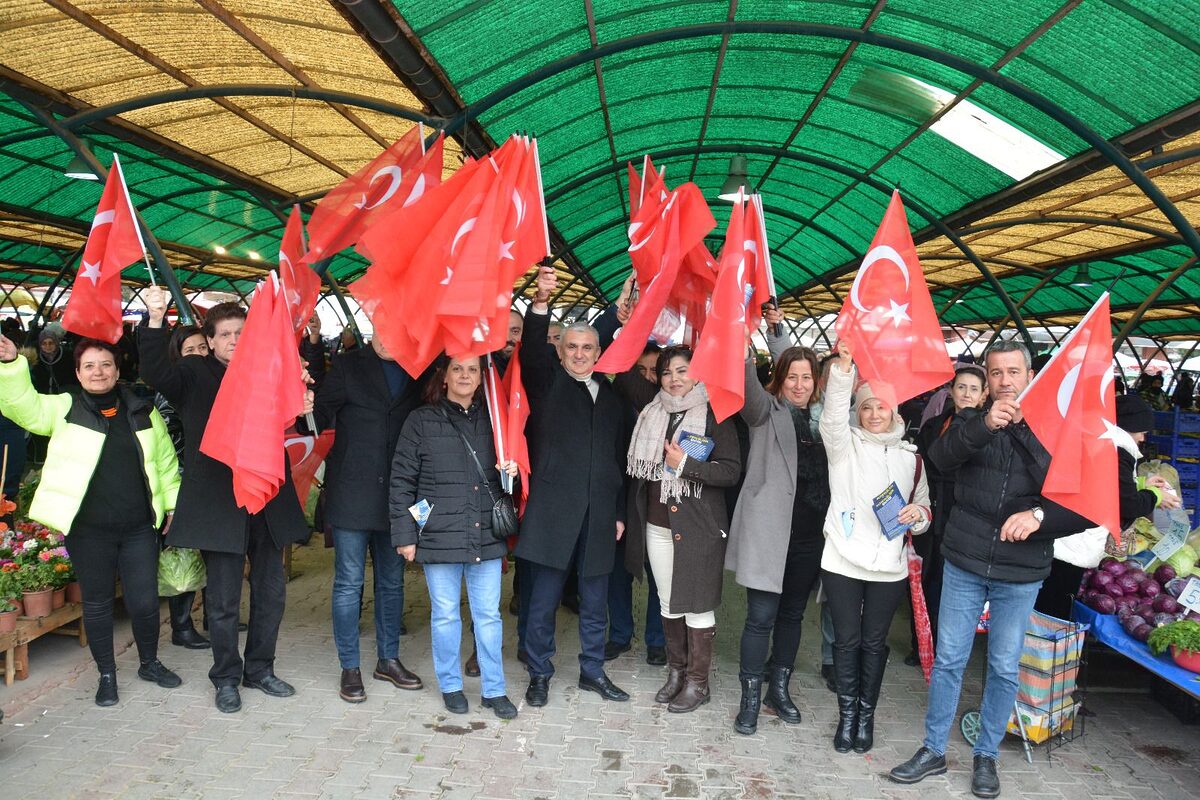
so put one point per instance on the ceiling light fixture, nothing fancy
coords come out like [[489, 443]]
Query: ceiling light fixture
[[736, 179], [79, 170], [254, 256], [1082, 278], [218, 249]]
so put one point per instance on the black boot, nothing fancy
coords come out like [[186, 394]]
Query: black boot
[[183, 630], [873, 665], [845, 671], [778, 699], [747, 718]]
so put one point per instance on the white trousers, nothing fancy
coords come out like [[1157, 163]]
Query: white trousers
[[660, 549]]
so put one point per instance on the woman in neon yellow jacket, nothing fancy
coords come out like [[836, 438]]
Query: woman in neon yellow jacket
[[109, 483]]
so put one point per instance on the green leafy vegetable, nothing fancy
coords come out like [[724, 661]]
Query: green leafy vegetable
[[1184, 634]]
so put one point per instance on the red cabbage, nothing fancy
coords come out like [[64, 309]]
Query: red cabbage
[[1164, 573], [1194, 616], [1151, 588], [1101, 580], [1132, 622], [1114, 590], [1167, 604], [1128, 584], [1138, 574], [1104, 604], [1115, 568], [1163, 618], [1175, 586], [1142, 633], [1146, 616], [1104, 562]]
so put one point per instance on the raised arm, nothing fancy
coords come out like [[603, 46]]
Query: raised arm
[[776, 345], [154, 338], [538, 357], [757, 406], [835, 418], [20, 402]]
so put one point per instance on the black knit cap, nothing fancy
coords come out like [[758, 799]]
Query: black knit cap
[[1134, 414]]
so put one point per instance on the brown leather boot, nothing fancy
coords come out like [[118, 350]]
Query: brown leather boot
[[675, 631], [695, 688]]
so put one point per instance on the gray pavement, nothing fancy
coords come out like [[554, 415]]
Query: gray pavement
[[55, 743]]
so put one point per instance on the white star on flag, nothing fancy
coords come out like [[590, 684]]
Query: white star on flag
[[1110, 432], [446, 280], [897, 313], [91, 272], [506, 250]]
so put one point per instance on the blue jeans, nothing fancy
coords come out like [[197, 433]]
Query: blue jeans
[[445, 624], [349, 570], [963, 596], [620, 606]]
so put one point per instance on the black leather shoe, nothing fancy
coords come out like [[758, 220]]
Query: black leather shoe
[[747, 718], [922, 765], [352, 690], [843, 735], [538, 693], [603, 687], [155, 672], [501, 706], [392, 671], [613, 649], [191, 639], [984, 780], [778, 699], [456, 702], [471, 668], [106, 692], [656, 656], [269, 684], [228, 699]]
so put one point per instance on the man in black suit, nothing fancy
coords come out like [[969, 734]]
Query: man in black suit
[[208, 518], [366, 397], [578, 434]]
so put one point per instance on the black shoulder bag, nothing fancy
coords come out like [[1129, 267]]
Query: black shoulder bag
[[504, 516]]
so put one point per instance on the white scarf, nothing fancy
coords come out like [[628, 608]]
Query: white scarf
[[650, 436]]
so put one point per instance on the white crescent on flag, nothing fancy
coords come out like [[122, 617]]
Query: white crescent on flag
[[396, 176], [1067, 388], [881, 252]]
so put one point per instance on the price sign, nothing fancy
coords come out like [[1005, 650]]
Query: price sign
[[1190, 596], [1173, 539]]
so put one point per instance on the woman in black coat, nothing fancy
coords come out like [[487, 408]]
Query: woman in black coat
[[443, 448], [677, 516]]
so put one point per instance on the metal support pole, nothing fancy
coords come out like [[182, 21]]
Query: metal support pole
[[1131, 325], [160, 258], [39, 315]]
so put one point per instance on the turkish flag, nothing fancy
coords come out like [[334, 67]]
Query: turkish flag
[[114, 242], [720, 355], [682, 223], [888, 317], [1071, 407], [260, 397], [448, 284], [397, 177], [301, 286], [758, 255], [306, 453], [516, 445]]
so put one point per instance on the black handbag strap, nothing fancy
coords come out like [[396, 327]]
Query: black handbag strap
[[471, 450]]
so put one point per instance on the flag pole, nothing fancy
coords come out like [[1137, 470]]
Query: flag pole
[[491, 394], [756, 198]]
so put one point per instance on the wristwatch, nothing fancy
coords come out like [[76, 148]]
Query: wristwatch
[[1038, 514]]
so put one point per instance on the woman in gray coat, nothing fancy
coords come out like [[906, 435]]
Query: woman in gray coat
[[776, 538], [677, 517]]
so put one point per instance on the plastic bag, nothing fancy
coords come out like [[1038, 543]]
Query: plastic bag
[[180, 569]]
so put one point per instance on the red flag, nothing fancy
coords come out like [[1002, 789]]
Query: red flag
[[681, 224], [1071, 408], [114, 242], [306, 453], [397, 177], [449, 285], [721, 352], [301, 286], [516, 445], [889, 320], [758, 268], [261, 395]]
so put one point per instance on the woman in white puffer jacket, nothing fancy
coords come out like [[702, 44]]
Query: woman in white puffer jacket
[[863, 572]]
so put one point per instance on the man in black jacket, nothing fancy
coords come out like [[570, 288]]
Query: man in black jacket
[[998, 546], [578, 434], [208, 518], [366, 397]]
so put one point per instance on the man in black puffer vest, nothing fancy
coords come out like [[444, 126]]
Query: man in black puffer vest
[[998, 546]]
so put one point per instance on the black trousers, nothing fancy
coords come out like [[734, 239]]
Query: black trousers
[[223, 598], [780, 613], [1059, 589], [98, 555], [862, 611]]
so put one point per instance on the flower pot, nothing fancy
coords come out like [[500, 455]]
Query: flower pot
[[38, 604], [1188, 659], [8, 621], [58, 598], [20, 606], [74, 593]]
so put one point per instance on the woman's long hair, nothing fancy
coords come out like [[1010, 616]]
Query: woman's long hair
[[780, 373]]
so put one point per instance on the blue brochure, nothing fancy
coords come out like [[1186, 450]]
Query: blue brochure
[[887, 505]]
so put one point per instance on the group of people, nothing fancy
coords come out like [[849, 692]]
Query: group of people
[[614, 494]]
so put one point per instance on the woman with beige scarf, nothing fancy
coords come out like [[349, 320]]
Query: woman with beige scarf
[[677, 518]]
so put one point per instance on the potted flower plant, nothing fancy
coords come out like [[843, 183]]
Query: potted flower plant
[[1182, 638], [37, 588], [9, 592]]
